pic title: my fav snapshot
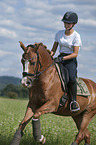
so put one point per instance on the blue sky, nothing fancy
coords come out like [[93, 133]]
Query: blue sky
[[33, 21]]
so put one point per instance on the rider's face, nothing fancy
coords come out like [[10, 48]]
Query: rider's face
[[68, 25]]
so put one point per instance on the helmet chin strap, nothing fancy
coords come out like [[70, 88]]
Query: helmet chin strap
[[71, 27]]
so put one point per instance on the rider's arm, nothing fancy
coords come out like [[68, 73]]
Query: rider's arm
[[73, 55], [54, 48]]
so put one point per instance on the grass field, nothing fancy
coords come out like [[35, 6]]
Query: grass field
[[57, 130]]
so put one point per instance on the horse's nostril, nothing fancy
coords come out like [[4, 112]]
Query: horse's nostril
[[28, 82]]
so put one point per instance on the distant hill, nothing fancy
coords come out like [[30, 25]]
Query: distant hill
[[5, 80]]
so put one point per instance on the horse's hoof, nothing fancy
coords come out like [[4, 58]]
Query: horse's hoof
[[74, 143], [42, 140]]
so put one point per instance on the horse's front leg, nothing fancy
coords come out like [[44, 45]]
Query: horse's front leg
[[37, 131], [27, 118], [19, 132], [48, 107]]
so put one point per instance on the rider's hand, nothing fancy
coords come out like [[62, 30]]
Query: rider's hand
[[52, 53], [58, 59]]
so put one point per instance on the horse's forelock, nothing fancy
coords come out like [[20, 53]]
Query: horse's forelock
[[30, 45]]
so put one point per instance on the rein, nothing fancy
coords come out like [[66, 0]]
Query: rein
[[44, 70]]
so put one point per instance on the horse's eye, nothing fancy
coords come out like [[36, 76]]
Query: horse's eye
[[32, 63]]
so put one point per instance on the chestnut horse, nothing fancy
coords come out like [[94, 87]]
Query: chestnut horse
[[41, 77]]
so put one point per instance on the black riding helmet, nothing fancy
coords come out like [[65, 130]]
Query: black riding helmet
[[70, 17]]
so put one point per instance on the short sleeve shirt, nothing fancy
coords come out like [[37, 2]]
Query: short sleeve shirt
[[67, 43]]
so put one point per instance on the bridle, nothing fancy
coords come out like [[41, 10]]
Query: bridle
[[37, 73], [37, 66]]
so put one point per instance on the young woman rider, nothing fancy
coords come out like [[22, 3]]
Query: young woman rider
[[69, 42]]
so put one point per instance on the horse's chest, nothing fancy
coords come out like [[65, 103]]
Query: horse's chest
[[38, 95]]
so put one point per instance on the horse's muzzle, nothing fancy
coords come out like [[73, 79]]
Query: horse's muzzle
[[26, 82]]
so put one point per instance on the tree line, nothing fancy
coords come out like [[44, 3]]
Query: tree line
[[14, 91]]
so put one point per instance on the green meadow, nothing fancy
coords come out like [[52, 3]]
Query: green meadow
[[58, 130]]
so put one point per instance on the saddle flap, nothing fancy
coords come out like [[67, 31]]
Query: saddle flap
[[63, 75]]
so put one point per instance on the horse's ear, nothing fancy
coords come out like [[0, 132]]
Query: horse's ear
[[22, 46]]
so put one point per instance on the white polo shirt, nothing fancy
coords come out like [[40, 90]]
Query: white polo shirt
[[67, 43]]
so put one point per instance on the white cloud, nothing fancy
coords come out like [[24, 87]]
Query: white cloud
[[10, 2], [93, 70], [88, 22], [7, 33], [6, 8], [12, 24], [89, 48], [2, 70], [3, 53]]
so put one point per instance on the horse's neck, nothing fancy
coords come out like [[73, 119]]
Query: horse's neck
[[45, 58]]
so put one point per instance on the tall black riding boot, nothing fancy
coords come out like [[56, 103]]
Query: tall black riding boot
[[74, 106]]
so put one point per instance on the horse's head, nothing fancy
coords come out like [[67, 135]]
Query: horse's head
[[32, 62]]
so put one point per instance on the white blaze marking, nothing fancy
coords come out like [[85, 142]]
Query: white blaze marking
[[26, 65]]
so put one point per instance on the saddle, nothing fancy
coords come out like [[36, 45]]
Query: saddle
[[82, 89]]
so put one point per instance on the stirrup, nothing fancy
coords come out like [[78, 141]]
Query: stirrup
[[74, 110]]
